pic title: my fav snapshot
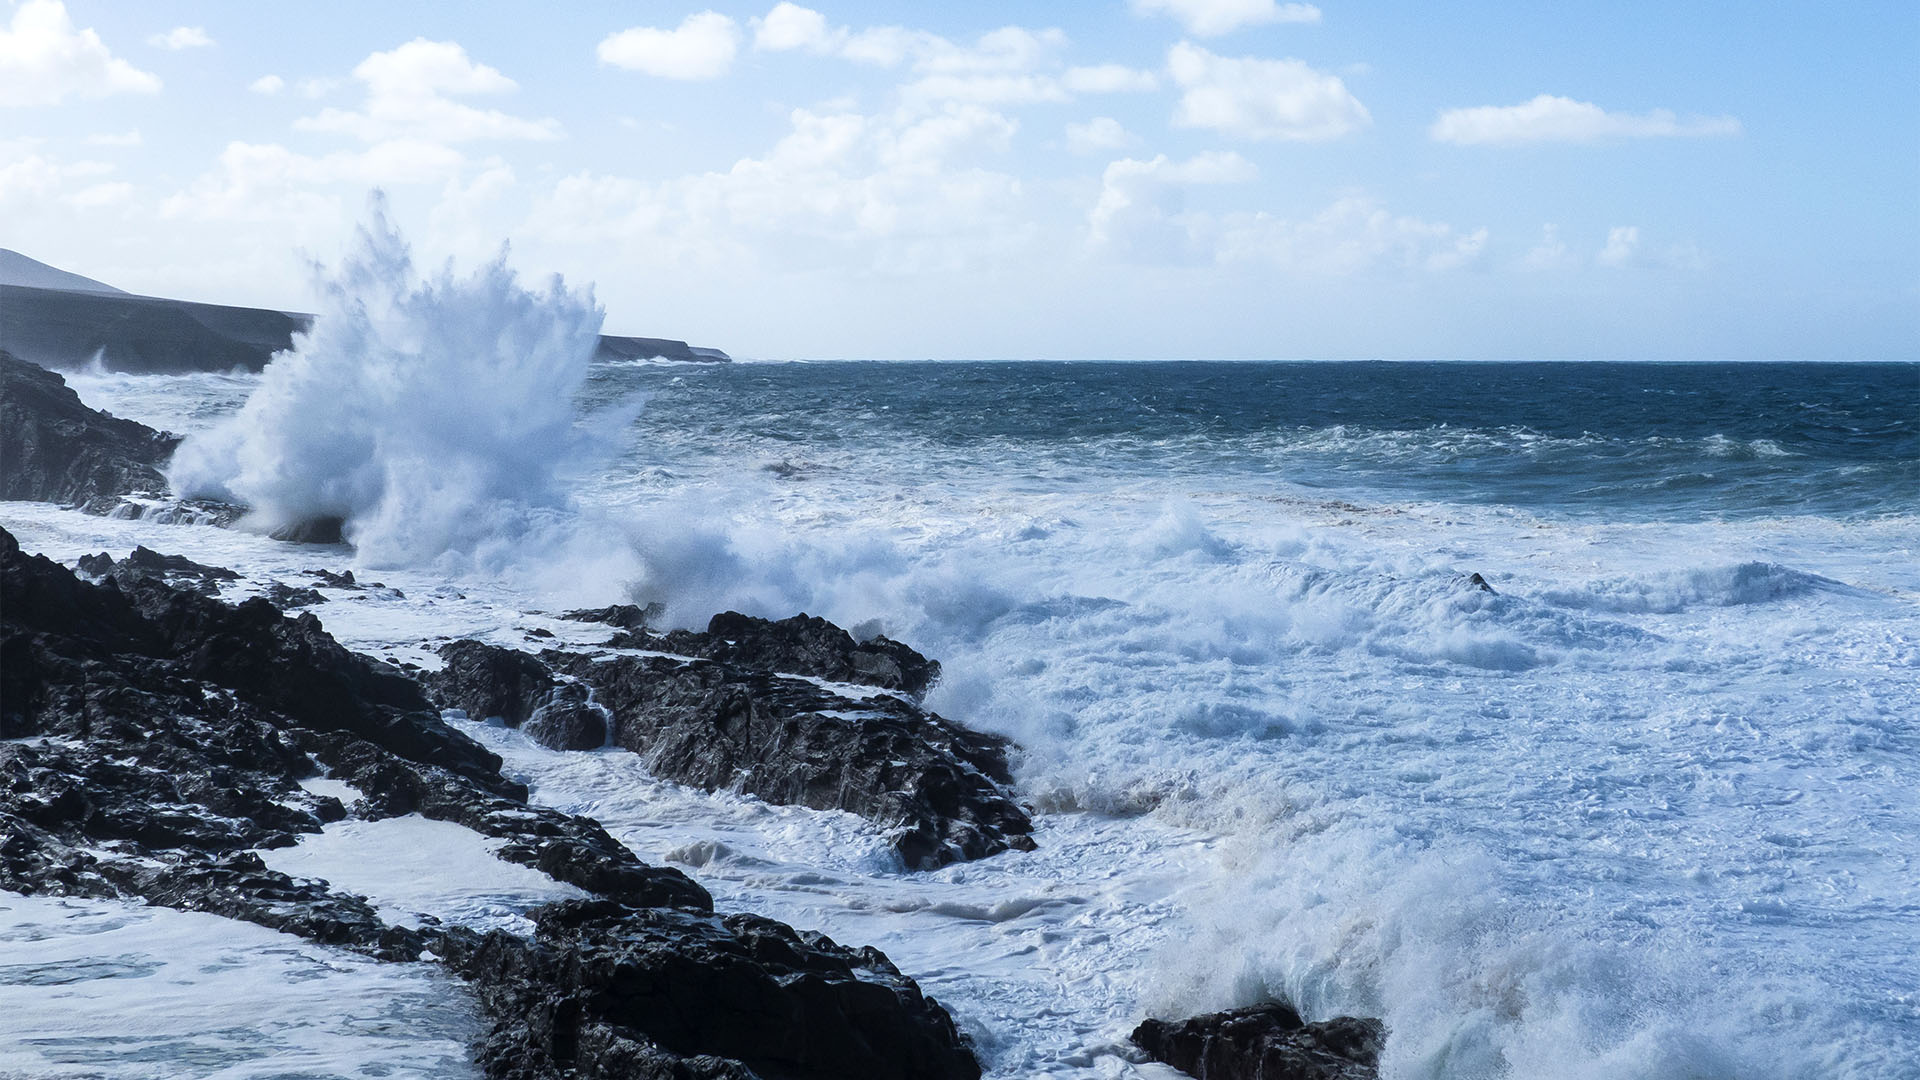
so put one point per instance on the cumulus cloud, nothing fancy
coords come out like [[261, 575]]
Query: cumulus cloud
[[267, 84], [1097, 134], [1548, 118], [410, 94], [701, 47], [1210, 18], [1008, 50], [44, 60], [1622, 247], [789, 26], [181, 37], [1252, 98], [901, 192], [1141, 214]]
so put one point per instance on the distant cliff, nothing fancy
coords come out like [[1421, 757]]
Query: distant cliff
[[62, 320]]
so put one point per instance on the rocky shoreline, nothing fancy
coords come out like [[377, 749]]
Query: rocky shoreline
[[155, 739]]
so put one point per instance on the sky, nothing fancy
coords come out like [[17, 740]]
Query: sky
[[1122, 179]]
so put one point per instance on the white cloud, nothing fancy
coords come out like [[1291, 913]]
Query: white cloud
[[44, 60], [1210, 18], [409, 95], [1109, 79], [267, 84], [1141, 214], [702, 47], [897, 193], [1623, 244], [115, 138], [1097, 134], [789, 26], [35, 177], [99, 196], [269, 183], [1261, 99], [1353, 235], [181, 37], [1548, 118], [1008, 50]]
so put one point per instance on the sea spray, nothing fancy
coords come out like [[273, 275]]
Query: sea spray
[[433, 414]]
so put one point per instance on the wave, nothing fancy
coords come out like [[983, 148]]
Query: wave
[[433, 415], [1673, 591]]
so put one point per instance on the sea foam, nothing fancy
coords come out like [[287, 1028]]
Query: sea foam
[[434, 414]]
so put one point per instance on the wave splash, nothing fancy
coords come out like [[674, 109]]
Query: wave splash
[[434, 415]]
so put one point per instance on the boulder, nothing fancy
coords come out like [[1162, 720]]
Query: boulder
[[942, 788], [634, 991], [803, 645], [55, 449], [1265, 1042]]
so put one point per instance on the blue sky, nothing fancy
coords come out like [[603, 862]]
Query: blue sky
[[1140, 178]]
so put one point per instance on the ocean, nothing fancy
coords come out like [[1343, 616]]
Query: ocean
[[1643, 806]]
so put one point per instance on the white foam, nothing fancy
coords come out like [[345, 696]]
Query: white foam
[[413, 866], [103, 989]]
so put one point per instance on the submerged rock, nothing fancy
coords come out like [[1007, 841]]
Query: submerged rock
[[1265, 1042], [55, 449], [287, 597]]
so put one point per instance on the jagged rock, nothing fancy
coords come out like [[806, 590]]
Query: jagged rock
[[286, 597], [787, 740], [1478, 582], [624, 616], [1265, 1042], [55, 449], [803, 645], [624, 988], [488, 682], [341, 580], [570, 720], [318, 530], [177, 729], [146, 564]]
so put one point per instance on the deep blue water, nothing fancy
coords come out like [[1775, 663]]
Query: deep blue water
[[1626, 440]]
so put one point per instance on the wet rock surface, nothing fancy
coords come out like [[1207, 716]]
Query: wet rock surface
[[1265, 1042], [55, 449], [713, 724], [676, 993], [157, 737], [800, 645]]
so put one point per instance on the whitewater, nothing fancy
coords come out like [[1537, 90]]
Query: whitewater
[[1642, 807]]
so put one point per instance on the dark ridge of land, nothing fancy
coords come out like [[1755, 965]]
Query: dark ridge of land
[[73, 327]]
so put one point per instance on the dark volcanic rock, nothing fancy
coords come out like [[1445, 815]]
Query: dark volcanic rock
[[173, 731], [145, 564], [628, 988], [624, 616], [287, 597], [806, 645], [488, 682], [320, 530], [788, 740], [54, 449], [1265, 1042]]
